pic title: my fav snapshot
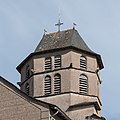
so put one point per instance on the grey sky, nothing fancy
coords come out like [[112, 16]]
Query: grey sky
[[22, 24]]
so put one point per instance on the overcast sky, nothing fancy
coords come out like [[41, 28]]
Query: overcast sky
[[22, 24]]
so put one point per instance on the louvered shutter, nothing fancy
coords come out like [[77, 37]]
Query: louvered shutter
[[48, 63], [83, 62], [47, 87], [83, 85], [57, 84], [27, 72], [57, 62], [27, 89]]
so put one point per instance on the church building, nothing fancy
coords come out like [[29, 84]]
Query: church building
[[59, 81]]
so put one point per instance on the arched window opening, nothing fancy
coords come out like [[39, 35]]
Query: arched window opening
[[57, 62], [57, 84], [27, 72], [48, 63], [83, 84], [83, 62], [27, 88], [47, 83]]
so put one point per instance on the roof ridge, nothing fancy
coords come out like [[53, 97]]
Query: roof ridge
[[72, 36], [58, 31]]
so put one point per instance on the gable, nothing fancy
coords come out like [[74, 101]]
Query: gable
[[15, 106]]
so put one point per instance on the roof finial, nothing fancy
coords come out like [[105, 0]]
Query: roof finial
[[74, 24], [59, 23], [45, 31]]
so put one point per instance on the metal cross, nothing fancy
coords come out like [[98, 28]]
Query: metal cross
[[58, 24]]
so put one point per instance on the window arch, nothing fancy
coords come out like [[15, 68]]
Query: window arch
[[47, 85], [57, 83], [83, 84], [48, 63], [27, 72], [57, 62], [83, 62], [27, 88]]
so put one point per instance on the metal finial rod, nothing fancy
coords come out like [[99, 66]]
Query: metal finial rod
[[45, 31], [74, 24]]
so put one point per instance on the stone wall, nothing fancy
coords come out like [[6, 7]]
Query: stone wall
[[14, 106]]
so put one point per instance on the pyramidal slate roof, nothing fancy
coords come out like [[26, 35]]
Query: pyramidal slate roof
[[62, 39]]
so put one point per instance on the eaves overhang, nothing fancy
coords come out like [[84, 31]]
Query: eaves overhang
[[84, 104], [98, 57], [96, 117]]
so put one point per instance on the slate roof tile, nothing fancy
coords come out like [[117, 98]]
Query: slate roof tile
[[62, 39]]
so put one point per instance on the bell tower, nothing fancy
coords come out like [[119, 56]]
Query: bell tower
[[64, 71]]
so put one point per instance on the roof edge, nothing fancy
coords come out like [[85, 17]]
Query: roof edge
[[18, 91], [69, 47], [96, 105]]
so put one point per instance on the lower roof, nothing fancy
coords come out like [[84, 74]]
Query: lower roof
[[94, 116], [33, 100]]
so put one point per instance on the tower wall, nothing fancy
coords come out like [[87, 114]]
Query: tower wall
[[77, 68]]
